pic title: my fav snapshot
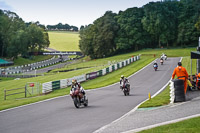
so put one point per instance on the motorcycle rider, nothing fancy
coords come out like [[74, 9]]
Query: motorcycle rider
[[155, 64], [126, 81], [76, 85], [161, 61]]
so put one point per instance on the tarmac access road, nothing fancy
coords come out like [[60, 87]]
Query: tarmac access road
[[105, 105]]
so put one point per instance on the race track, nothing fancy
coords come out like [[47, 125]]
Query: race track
[[105, 105]]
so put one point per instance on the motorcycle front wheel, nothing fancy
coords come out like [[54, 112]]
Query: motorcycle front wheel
[[76, 102]]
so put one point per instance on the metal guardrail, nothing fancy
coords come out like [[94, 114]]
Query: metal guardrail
[[19, 76]]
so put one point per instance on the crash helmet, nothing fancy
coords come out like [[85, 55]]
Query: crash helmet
[[73, 81], [179, 64], [122, 76]]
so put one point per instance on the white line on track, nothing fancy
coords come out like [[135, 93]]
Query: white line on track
[[163, 123], [130, 112], [133, 110]]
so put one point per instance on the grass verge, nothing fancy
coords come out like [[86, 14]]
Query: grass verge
[[186, 126], [161, 99]]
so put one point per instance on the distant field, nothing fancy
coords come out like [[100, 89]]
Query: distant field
[[64, 41]]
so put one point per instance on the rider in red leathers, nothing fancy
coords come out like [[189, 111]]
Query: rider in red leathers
[[76, 85]]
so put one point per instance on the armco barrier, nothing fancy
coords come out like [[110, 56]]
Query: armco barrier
[[56, 85], [91, 75], [47, 87], [63, 83]]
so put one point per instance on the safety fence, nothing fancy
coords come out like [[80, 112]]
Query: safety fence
[[30, 89], [14, 92], [63, 83]]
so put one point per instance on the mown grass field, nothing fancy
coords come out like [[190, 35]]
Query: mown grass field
[[146, 58], [64, 41]]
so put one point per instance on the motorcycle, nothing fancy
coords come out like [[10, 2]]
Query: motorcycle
[[155, 67], [125, 88], [163, 56], [161, 61], [78, 98]]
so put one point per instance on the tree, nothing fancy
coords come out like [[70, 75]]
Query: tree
[[189, 14], [98, 40], [160, 21], [131, 35], [86, 41], [197, 25], [37, 39]]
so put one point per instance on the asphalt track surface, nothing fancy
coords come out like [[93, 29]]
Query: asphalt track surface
[[105, 105], [146, 118]]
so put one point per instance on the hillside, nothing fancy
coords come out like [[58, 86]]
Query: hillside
[[64, 41]]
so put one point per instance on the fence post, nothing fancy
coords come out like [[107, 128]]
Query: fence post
[[4, 94], [25, 91]]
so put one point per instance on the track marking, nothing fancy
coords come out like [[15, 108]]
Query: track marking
[[134, 109], [130, 112], [161, 124]]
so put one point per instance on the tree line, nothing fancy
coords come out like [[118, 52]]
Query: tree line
[[18, 38], [61, 26], [167, 23]]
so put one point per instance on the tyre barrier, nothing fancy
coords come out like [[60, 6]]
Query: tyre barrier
[[179, 90], [178, 82]]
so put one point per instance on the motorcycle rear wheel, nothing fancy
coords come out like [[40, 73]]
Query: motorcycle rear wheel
[[86, 103]]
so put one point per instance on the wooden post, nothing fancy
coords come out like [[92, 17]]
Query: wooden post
[[4, 94], [25, 90]]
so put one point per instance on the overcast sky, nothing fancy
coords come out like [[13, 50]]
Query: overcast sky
[[72, 12]]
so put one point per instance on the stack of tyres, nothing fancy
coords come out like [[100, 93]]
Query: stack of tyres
[[179, 90]]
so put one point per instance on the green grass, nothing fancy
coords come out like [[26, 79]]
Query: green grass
[[186, 126], [146, 58], [22, 61], [64, 41], [115, 76], [5, 79], [161, 99], [170, 52], [186, 62]]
